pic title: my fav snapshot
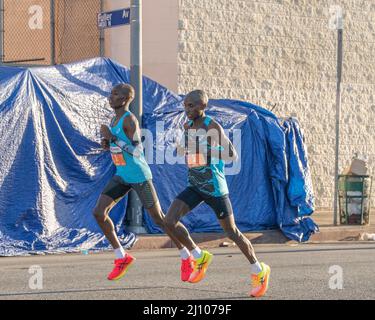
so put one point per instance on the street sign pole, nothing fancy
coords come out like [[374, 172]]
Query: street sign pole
[[338, 108], [135, 210], [101, 33], [136, 58]]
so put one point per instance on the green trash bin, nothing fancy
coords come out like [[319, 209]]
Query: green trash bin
[[354, 199]]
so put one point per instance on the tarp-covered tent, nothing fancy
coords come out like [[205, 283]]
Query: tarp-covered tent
[[52, 169]]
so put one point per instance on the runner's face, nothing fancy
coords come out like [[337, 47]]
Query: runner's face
[[193, 109], [116, 99]]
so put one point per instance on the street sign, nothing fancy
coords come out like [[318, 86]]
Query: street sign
[[114, 18]]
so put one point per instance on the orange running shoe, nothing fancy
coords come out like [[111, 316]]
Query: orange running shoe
[[121, 266], [259, 282], [187, 266], [200, 267]]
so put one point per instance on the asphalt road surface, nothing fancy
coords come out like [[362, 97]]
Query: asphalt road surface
[[309, 271]]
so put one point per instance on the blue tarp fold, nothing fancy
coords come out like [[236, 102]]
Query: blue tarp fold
[[52, 170]]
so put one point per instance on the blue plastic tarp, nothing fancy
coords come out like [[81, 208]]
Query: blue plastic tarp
[[52, 169]]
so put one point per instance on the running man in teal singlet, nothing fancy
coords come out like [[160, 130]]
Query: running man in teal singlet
[[206, 148], [123, 140]]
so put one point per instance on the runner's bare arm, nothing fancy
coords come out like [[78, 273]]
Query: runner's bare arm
[[181, 143], [220, 139], [131, 129], [133, 132]]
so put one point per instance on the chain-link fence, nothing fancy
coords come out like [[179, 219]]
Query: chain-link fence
[[45, 32]]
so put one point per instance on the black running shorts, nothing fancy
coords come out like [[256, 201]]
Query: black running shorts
[[117, 188], [221, 205]]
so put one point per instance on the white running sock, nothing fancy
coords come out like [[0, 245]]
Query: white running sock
[[120, 253], [256, 268], [197, 253], [184, 253]]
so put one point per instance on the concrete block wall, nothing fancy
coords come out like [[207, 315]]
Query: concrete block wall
[[284, 52]]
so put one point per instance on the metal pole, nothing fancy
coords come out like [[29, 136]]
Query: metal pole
[[136, 57], [134, 210], [101, 32], [338, 108], [52, 32], [1, 31]]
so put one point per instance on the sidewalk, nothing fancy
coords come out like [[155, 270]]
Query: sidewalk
[[323, 218], [212, 240]]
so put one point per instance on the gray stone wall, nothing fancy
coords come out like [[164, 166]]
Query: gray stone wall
[[283, 51]]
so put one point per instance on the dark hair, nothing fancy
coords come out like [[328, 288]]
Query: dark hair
[[198, 96], [126, 90]]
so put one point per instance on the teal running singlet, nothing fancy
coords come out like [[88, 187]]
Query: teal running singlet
[[130, 168], [207, 177]]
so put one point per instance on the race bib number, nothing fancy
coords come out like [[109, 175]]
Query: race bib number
[[195, 160], [117, 156]]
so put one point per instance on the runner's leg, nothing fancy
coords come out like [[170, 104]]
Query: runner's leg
[[147, 194], [111, 194], [186, 201]]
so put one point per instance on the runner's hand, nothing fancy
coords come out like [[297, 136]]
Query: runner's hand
[[105, 132], [105, 144], [180, 150]]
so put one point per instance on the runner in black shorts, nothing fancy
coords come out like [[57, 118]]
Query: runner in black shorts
[[206, 147], [220, 205], [117, 188], [122, 139]]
